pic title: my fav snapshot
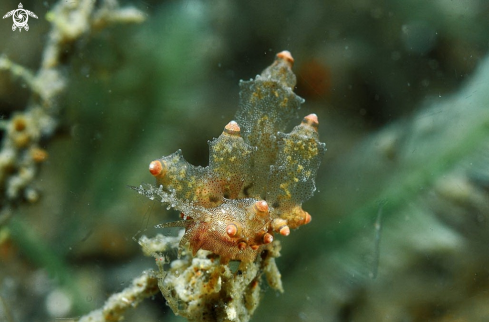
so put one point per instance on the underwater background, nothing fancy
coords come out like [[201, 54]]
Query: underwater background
[[399, 227]]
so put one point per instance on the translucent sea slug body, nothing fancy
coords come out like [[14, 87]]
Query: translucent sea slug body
[[257, 178]]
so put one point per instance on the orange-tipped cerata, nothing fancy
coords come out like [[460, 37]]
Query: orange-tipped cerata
[[287, 56], [307, 218], [312, 120], [231, 230], [155, 168], [242, 245], [280, 225], [232, 128], [285, 231], [267, 238], [261, 207]]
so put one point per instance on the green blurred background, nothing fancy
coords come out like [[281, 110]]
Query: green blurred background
[[401, 91]]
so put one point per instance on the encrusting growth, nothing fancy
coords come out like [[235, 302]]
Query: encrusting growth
[[257, 178]]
